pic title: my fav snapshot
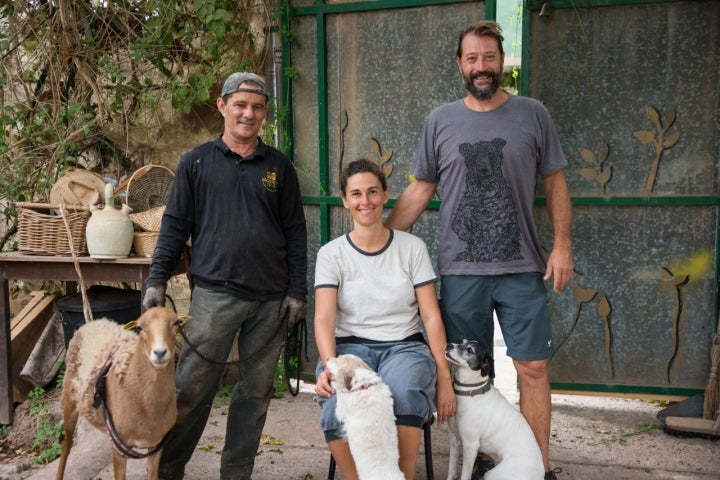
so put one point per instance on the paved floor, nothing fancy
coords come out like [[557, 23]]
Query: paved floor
[[301, 454], [593, 438]]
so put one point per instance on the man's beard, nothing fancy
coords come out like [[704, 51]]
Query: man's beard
[[484, 93]]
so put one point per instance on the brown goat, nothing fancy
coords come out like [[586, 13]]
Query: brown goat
[[140, 392]]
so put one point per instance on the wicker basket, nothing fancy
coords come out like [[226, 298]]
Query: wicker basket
[[41, 233], [145, 242], [149, 187], [149, 220]]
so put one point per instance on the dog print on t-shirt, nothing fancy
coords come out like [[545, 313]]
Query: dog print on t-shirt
[[486, 217]]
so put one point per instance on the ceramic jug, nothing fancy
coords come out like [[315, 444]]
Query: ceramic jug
[[109, 230]]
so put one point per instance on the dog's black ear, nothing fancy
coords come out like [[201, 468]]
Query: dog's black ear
[[474, 357], [488, 365]]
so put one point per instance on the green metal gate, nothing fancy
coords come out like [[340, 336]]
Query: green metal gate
[[633, 87]]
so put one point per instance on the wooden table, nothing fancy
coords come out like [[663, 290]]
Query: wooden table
[[34, 267]]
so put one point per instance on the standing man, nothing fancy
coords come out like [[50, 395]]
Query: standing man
[[485, 152], [239, 201]]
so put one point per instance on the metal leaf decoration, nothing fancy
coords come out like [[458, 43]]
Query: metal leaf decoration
[[659, 139], [381, 158], [597, 172]]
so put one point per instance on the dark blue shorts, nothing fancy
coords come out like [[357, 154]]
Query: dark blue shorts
[[520, 302]]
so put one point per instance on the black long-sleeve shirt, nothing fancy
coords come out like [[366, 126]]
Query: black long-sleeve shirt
[[246, 221]]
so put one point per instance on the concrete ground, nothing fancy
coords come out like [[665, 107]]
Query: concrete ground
[[593, 438]]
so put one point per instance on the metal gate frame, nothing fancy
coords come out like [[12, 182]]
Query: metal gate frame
[[530, 7]]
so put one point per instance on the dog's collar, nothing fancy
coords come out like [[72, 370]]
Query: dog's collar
[[364, 386], [483, 387]]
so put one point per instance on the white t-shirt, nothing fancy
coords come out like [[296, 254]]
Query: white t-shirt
[[376, 291]]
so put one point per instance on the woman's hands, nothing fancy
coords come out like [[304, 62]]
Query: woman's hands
[[322, 384], [445, 399]]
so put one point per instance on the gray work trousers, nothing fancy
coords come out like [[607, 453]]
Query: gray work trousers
[[215, 319]]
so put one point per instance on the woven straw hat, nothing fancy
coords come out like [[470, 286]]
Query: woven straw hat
[[149, 220], [78, 187]]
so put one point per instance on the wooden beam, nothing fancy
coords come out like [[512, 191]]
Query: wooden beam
[[25, 330]]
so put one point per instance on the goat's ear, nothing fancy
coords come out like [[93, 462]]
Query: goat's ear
[[180, 320]]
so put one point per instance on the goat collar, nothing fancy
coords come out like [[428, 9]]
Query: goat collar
[[99, 401], [483, 387]]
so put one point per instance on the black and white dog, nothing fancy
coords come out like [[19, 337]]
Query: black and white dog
[[485, 421]]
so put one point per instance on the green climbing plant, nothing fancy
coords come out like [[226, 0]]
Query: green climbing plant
[[511, 78], [81, 83]]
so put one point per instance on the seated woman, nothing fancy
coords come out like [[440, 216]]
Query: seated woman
[[373, 287]]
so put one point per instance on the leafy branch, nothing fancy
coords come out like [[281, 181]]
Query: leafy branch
[[597, 172], [584, 296], [659, 139], [671, 283], [382, 158]]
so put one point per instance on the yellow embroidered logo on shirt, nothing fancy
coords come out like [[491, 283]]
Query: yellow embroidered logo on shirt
[[270, 181]]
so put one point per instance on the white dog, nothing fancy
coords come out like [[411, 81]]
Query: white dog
[[485, 421], [365, 407]]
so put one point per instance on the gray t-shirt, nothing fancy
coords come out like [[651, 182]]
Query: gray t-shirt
[[376, 291], [486, 165]]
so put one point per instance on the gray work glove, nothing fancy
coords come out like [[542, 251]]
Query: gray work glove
[[294, 309], [154, 296]]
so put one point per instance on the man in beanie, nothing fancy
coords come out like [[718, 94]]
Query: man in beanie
[[239, 202]]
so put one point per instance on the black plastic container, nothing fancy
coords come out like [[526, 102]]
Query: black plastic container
[[117, 304]]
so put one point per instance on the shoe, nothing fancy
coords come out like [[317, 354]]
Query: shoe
[[551, 475], [481, 466]]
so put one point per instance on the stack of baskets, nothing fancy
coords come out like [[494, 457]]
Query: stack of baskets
[[58, 227], [147, 193]]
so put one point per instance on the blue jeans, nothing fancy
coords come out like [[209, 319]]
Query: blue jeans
[[407, 368], [215, 320]]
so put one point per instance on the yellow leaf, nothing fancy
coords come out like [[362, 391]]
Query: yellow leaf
[[268, 440]]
